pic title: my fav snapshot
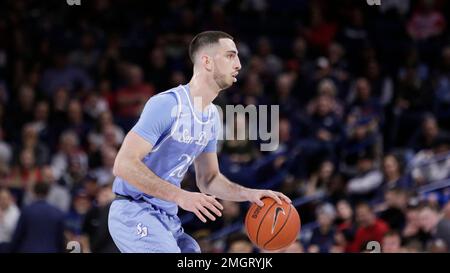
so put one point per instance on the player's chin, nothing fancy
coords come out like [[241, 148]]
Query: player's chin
[[232, 80], [227, 83]]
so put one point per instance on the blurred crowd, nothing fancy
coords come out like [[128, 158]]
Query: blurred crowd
[[364, 96]]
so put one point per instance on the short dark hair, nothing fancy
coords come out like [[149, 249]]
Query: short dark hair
[[363, 204], [392, 233], [41, 189], [206, 38]]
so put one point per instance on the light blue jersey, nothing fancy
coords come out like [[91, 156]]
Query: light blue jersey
[[178, 134], [142, 223]]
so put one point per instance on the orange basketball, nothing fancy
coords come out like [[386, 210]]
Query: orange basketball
[[272, 226]]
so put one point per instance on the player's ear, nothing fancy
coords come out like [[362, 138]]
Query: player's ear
[[207, 62]]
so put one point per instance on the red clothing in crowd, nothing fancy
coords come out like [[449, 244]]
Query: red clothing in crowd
[[321, 36], [131, 100], [364, 235]]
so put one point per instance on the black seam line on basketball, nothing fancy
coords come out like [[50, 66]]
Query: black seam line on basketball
[[287, 219], [262, 220]]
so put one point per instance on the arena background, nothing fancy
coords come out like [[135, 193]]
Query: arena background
[[364, 95]]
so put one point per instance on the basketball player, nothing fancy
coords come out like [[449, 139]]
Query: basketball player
[[162, 145]]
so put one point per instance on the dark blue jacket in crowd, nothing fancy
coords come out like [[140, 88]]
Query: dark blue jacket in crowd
[[40, 229]]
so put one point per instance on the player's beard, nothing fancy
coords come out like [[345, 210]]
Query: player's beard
[[221, 79]]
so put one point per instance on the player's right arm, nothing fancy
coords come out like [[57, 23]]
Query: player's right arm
[[129, 166], [138, 143]]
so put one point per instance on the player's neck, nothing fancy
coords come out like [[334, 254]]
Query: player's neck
[[201, 88]]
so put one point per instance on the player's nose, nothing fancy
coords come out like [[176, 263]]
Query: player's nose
[[238, 64]]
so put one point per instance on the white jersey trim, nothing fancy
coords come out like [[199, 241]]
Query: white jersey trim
[[174, 126]]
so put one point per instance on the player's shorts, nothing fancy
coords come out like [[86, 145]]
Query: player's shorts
[[140, 227]]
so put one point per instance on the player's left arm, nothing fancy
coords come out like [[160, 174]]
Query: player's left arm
[[211, 181]]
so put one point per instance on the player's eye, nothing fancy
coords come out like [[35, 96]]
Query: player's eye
[[230, 56]]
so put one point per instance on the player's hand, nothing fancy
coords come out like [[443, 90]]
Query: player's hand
[[201, 205], [255, 196]]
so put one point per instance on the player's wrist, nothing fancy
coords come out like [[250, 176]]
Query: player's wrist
[[178, 196], [246, 194]]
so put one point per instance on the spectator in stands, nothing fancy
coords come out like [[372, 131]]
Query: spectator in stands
[[393, 209], [361, 137], [76, 121], [353, 36], [25, 174], [325, 129], [252, 92], [362, 105], [30, 140], [323, 236], [95, 104], [412, 234], [326, 87], [381, 85], [104, 128], [69, 147], [345, 220], [319, 32], [393, 174], [9, 215], [427, 133], [87, 56], [271, 62], [370, 228], [131, 98], [339, 67], [320, 181], [59, 105], [61, 74], [325, 118], [75, 217], [96, 237], [283, 98], [434, 164], [411, 102], [40, 227], [365, 184], [434, 224], [41, 123], [426, 22], [58, 196], [158, 70], [6, 153], [239, 149], [104, 172], [392, 243], [345, 227]]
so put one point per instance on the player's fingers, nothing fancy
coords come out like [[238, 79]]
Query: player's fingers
[[207, 213], [259, 202], [212, 208], [275, 197], [200, 216], [287, 199], [216, 203]]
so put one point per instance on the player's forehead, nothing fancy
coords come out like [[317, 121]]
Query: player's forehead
[[227, 45]]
